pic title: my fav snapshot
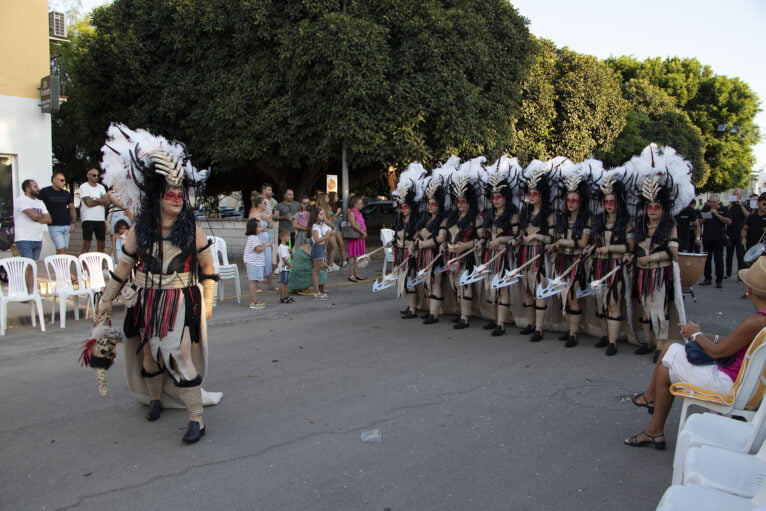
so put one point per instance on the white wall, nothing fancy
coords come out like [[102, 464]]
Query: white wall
[[25, 134]]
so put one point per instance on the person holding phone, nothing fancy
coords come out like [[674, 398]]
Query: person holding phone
[[715, 218], [738, 212]]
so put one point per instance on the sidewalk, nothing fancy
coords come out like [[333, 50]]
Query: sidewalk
[[19, 319]]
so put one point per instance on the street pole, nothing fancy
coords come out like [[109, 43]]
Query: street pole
[[344, 179]]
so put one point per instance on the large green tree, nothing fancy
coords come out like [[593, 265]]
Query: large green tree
[[266, 89], [572, 106], [721, 110]]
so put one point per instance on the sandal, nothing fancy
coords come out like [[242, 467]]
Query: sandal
[[352, 279], [649, 405], [634, 442]]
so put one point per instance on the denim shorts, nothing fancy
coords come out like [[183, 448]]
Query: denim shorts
[[59, 236], [30, 249], [255, 273], [317, 252], [284, 277]]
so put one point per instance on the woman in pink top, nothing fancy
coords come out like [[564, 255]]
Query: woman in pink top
[[355, 247], [673, 365]]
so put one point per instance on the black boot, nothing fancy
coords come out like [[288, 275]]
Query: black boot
[[409, 315], [602, 343], [643, 349], [498, 331], [193, 432], [489, 325], [571, 342], [611, 349], [430, 320], [461, 324], [155, 408], [564, 337], [536, 337], [527, 329]]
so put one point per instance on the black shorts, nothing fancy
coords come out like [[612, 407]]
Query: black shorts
[[89, 227]]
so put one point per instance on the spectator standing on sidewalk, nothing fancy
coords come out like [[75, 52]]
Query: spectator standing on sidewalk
[[30, 216], [93, 202], [254, 260], [689, 230], [286, 210], [301, 222], [60, 205], [755, 224], [738, 212], [714, 220]]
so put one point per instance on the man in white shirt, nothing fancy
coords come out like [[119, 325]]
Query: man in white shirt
[[30, 216], [93, 202]]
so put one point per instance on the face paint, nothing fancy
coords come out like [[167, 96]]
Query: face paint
[[173, 196]]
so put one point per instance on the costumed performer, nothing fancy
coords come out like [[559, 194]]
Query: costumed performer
[[408, 193], [431, 239], [612, 233], [173, 282], [572, 237], [465, 230], [501, 227], [536, 229]]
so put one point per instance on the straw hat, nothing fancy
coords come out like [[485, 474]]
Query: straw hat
[[755, 276]]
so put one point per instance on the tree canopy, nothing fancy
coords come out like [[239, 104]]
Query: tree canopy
[[273, 89]]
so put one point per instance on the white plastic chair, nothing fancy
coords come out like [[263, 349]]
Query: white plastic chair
[[223, 268], [733, 472], [61, 264], [693, 497], [92, 264], [745, 394], [386, 237], [718, 431], [16, 269]]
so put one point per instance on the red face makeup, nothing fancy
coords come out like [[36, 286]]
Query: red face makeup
[[573, 201], [173, 196], [462, 201], [533, 194], [405, 207], [497, 196], [609, 202], [433, 203], [653, 207]]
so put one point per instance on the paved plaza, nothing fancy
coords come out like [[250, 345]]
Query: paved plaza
[[465, 421]]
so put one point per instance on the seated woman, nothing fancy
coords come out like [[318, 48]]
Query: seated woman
[[300, 276], [673, 365]]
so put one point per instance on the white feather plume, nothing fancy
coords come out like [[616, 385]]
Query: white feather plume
[[411, 178]]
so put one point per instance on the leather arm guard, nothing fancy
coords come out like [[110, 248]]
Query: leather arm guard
[[208, 290], [112, 288]]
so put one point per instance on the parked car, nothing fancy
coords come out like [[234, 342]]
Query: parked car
[[378, 214]]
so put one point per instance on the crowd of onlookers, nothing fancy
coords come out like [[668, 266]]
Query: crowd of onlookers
[[298, 243], [723, 232]]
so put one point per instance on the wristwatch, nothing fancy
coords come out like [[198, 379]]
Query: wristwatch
[[694, 336]]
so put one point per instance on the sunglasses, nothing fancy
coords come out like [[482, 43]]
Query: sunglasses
[[305, 203]]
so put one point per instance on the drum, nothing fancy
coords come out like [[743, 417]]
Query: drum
[[692, 267], [754, 253]]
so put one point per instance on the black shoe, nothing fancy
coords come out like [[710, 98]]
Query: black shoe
[[455, 320], [602, 343], [409, 315], [155, 408], [498, 331], [527, 330], [489, 325], [405, 311], [643, 349], [536, 337], [564, 337], [611, 350], [656, 356], [193, 433], [461, 324], [571, 342], [705, 282], [430, 320], [425, 316], [718, 284]]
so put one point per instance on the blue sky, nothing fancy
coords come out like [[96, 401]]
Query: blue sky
[[727, 36]]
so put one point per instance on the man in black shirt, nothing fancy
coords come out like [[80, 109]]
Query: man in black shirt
[[60, 205], [738, 212], [714, 220], [688, 227], [752, 232]]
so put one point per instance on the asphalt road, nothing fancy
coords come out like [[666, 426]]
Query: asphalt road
[[466, 421]]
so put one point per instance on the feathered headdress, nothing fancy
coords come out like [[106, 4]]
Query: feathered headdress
[[411, 185], [503, 177], [664, 176]]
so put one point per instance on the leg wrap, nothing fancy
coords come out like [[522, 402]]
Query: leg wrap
[[154, 385], [613, 329], [605, 326], [647, 327], [435, 306], [412, 300], [539, 317], [192, 399], [573, 318], [530, 315], [466, 304], [502, 314]]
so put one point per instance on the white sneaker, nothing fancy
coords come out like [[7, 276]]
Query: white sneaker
[[334, 267]]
